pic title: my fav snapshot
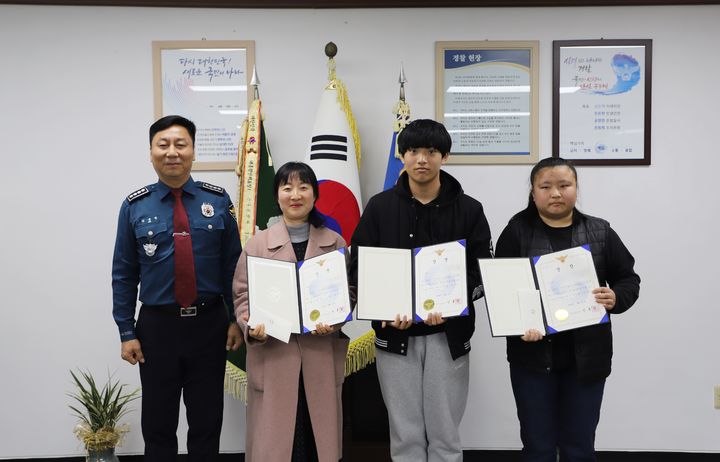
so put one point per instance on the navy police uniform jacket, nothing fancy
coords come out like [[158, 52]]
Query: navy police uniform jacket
[[144, 248]]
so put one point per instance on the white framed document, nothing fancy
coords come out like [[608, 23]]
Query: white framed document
[[206, 81], [324, 293], [566, 280], [513, 301], [272, 289], [301, 294], [440, 280], [384, 283], [412, 283]]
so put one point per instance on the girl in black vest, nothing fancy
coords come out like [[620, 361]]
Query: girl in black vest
[[558, 380]]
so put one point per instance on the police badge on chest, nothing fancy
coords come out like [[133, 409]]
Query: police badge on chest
[[207, 210], [150, 248]]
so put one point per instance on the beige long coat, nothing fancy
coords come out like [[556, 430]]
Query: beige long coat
[[273, 367]]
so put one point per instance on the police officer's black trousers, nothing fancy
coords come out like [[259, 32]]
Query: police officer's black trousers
[[182, 354]]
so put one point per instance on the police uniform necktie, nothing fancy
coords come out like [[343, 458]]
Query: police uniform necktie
[[185, 284]]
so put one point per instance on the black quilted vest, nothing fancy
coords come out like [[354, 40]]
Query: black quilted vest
[[593, 344]]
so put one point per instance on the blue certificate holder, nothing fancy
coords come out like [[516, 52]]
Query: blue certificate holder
[[415, 287], [323, 291], [440, 280], [565, 280]]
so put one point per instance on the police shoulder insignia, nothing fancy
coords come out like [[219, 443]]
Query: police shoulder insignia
[[138, 194], [232, 211], [212, 188]]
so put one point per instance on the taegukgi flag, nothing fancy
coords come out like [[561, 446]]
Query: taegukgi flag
[[334, 155]]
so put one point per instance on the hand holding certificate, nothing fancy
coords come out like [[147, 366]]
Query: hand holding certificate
[[566, 280], [397, 284], [324, 290], [565, 283], [440, 280], [512, 300], [289, 297]]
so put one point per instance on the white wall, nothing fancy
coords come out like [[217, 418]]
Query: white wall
[[76, 99]]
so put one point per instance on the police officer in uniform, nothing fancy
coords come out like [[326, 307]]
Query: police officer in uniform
[[179, 241]]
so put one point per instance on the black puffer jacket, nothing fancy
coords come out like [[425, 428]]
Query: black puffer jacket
[[394, 219]]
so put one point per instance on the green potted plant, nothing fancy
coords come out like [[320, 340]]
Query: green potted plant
[[99, 412]]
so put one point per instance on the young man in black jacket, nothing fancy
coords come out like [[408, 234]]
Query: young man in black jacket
[[423, 368]]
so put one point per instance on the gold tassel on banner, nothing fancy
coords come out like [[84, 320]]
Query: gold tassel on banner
[[235, 382], [361, 352]]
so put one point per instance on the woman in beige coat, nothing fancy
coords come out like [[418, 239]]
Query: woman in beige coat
[[294, 410]]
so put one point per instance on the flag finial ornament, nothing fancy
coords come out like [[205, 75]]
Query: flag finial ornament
[[255, 83], [331, 50], [401, 109]]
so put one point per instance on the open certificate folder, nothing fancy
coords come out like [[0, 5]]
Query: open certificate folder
[[298, 296], [565, 281], [412, 283]]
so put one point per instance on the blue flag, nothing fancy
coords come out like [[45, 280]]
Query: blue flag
[[395, 165]]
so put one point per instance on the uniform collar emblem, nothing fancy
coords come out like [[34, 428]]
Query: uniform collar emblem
[[150, 248], [207, 210]]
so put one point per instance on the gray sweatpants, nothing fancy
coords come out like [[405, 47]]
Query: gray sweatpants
[[425, 394]]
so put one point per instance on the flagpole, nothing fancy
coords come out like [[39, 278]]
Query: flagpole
[[402, 80]]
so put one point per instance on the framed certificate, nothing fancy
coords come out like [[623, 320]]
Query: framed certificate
[[440, 280], [324, 293], [301, 294], [487, 98], [566, 280], [412, 283], [602, 101], [550, 293], [207, 82]]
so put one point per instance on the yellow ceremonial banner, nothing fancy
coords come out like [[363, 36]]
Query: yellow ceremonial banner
[[248, 169]]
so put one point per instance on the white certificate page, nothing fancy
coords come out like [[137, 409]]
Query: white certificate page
[[274, 326], [566, 280], [441, 280], [513, 302], [324, 293], [384, 283], [272, 288]]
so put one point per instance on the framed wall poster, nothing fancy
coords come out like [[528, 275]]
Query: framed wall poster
[[601, 101], [487, 97], [207, 82]]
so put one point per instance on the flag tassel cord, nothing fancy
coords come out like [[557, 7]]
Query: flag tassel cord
[[344, 101], [360, 354]]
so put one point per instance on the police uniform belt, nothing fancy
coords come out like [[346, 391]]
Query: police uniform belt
[[199, 307]]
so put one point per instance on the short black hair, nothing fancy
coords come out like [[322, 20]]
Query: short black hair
[[168, 121], [305, 174], [424, 133]]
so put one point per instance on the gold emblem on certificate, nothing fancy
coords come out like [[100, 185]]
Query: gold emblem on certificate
[[314, 315], [429, 304], [561, 314]]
